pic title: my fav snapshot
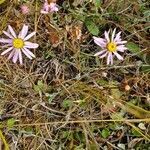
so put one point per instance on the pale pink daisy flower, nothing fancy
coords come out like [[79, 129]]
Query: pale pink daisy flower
[[110, 46], [47, 8], [17, 45], [25, 9]]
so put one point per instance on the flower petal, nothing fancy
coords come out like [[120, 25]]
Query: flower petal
[[26, 53], [11, 54], [30, 45], [46, 7], [29, 36], [118, 56], [101, 52], [6, 45], [109, 58], [121, 48], [53, 7], [29, 52], [100, 42], [15, 57], [113, 35], [7, 50], [118, 37], [104, 55], [23, 32], [107, 36], [44, 12], [20, 57], [12, 31], [5, 40], [7, 34], [121, 42]]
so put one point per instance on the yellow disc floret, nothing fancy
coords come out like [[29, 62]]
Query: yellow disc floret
[[112, 47], [18, 43]]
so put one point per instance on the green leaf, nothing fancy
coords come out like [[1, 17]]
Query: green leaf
[[97, 3], [50, 96], [67, 103], [65, 134], [145, 69], [147, 15], [40, 84], [1, 125], [40, 87], [2, 1], [91, 26], [117, 116], [135, 132], [10, 122], [102, 82], [136, 110], [105, 133], [134, 49], [116, 94], [79, 136], [146, 58]]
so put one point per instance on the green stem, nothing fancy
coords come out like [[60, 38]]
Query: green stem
[[4, 141]]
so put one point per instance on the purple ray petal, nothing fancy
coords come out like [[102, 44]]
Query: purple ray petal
[[118, 56], [12, 31], [53, 7], [7, 50], [29, 52], [107, 36], [23, 32], [104, 55], [109, 58], [20, 57], [100, 53], [6, 45], [26, 53], [118, 37], [29, 36], [15, 57], [30, 45], [7, 34], [121, 48], [44, 12], [5, 40], [100, 42], [113, 35], [11, 54], [121, 42]]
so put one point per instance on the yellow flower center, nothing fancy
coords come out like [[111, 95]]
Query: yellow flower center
[[111, 47], [18, 43]]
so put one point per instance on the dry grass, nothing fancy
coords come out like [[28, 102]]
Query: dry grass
[[67, 99]]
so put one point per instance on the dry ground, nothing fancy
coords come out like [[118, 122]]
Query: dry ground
[[66, 99]]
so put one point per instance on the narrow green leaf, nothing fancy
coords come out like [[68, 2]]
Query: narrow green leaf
[[91, 26], [134, 49], [136, 110], [105, 133], [2, 137], [10, 122], [135, 132], [145, 69]]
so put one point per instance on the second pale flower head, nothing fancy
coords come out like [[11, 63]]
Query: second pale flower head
[[18, 44], [110, 46]]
